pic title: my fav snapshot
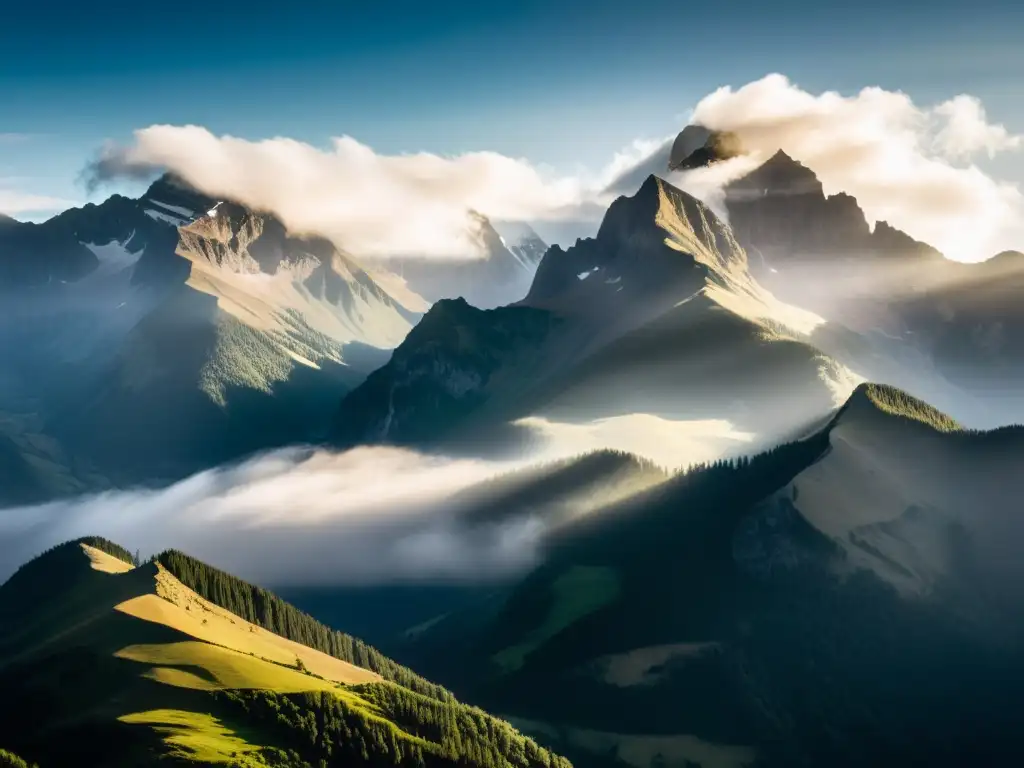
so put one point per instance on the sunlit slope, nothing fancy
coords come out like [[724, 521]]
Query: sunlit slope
[[656, 316], [116, 664], [152, 595]]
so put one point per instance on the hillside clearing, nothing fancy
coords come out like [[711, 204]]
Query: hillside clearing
[[197, 737], [576, 593]]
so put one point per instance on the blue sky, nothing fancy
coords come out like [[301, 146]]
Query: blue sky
[[561, 83]]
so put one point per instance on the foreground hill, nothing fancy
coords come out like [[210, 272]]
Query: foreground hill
[[846, 599], [657, 315], [113, 663]]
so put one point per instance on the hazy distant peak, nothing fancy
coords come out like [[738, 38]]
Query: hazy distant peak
[[780, 174], [1014, 258]]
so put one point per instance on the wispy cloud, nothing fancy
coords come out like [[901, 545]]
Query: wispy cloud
[[14, 203], [296, 516]]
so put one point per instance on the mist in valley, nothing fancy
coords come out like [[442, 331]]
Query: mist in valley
[[369, 515]]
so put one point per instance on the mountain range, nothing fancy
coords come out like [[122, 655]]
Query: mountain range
[[657, 314], [148, 339], [833, 582], [820, 252]]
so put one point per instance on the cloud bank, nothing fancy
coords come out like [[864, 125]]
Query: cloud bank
[[363, 516], [907, 164], [370, 204], [298, 516]]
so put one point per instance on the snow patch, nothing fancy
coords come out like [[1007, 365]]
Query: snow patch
[[515, 251], [588, 273], [183, 212], [114, 256], [613, 280], [165, 218]]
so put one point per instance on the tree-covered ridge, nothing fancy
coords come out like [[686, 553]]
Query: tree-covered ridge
[[595, 473], [50, 572], [896, 402], [11, 760], [264, 608], [323, 730], [605, 460]]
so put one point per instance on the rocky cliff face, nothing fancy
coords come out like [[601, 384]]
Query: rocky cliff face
[[654, 247], [449, 365], [162, 335]]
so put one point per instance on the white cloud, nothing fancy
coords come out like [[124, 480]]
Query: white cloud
[[370, 204], [966, 130], [674, 444], [905, 163]]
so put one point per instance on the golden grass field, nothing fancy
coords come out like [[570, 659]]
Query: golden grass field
[[178, 646]]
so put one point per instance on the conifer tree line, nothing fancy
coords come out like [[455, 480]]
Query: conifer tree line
[[11, 760], [321, 730], [265, 609]]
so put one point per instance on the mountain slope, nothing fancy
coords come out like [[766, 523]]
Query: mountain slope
[[658, 314], [846, 599], [196, 331], [123, 665], [963, 320], [500, 275]]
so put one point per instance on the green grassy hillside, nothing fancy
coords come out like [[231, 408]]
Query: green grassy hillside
[[895, 402], [116, 664]]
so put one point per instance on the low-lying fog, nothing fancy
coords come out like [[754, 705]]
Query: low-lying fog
[[368, 515]]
